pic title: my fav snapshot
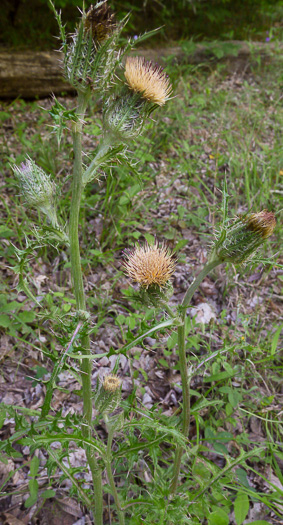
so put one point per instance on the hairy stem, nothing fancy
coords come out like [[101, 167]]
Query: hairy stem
[[114, 492], [77, 279], [204, 272], [184, 368]]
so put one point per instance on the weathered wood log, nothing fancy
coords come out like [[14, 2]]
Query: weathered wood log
[[30, 74]]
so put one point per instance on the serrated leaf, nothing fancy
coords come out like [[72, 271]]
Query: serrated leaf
[[241, 508]]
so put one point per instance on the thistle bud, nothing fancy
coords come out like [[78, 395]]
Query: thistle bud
[[146, 87], [123, 118], [37, 188], [108, 394], [152, 268], [241, 239], [91, 55]]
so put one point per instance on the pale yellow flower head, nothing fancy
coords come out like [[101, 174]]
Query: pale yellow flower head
[[148, 79], [111, 383], [150, 265]]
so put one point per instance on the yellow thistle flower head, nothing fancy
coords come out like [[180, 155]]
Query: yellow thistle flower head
[[148, 80], [150, 265], [111, 383]]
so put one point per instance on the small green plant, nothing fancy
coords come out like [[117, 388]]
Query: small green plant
[[164, 493]]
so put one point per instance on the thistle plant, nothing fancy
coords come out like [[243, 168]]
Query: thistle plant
[[152, 268], [93, 63], [91, 57]]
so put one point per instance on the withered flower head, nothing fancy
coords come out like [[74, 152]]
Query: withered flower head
[[100, 21], [111, 383], [262, 223], [150, 265], [148, 79]]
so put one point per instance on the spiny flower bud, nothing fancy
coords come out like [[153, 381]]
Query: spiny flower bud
[[123, 118], [148, 80], [37, 188], [107, 396], [240, 240], [152, 268], [92, 55]]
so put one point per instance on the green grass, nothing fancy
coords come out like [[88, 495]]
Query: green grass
[[219, 125]]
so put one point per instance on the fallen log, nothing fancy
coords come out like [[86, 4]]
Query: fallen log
[[31, 74]]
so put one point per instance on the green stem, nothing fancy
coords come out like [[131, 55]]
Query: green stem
[[114, 492], [167, 309], [184, 368], [204, 272], [77, 278]]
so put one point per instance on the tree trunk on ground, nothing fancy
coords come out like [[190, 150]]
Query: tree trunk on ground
[[31, 74]]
